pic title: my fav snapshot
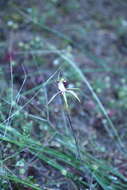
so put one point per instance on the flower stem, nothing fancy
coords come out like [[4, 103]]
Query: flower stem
[[74, 135]]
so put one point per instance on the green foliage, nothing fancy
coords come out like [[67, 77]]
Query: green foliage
[[36, 143]]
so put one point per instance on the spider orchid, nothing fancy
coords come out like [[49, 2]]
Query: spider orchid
[[64, 91]]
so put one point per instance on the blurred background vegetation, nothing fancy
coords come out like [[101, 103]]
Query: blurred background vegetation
[[85, 41]]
